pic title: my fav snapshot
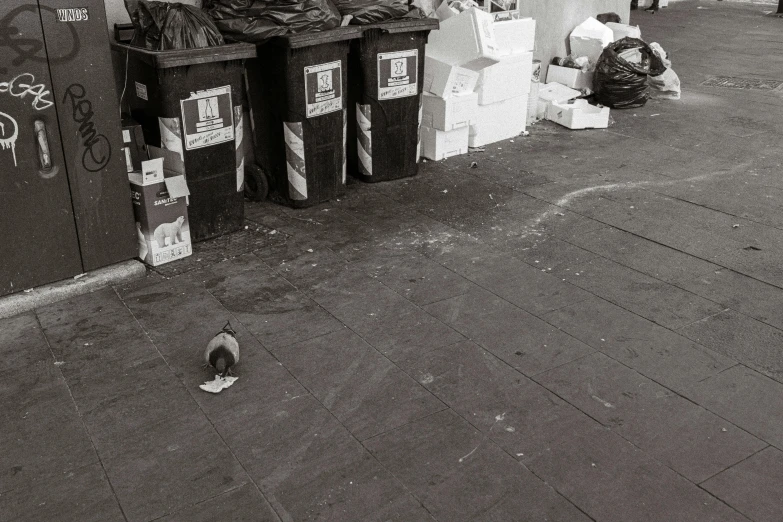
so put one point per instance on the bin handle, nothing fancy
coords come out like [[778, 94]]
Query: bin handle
[[47, 169]]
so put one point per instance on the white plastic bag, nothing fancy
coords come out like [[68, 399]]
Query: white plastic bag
[[665, 86]]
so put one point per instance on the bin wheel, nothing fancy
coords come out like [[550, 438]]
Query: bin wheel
[[256, 183]]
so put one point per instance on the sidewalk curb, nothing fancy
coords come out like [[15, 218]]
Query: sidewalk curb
[[89, 282]]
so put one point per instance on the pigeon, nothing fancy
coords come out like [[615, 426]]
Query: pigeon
[[222, 352]]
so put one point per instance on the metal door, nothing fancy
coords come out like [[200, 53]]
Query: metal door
[[84, 91], [38, 239]]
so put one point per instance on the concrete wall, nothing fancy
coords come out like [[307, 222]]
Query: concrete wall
[[555, 19]]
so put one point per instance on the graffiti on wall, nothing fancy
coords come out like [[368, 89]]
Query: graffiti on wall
[[24, 85], [97, 149], [9, 132]]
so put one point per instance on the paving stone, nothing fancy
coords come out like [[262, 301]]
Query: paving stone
[[520, 415], [82, 494], [310, 468], [245, 504], [549, 253], [22, 342], [269, 307], [676, 432], [751, 342], [34, 400], [460, 475], [760, 264], [656, 300], [387, 321], [610, 479], [650, 349], [522, 340], [416, 277], [745, 398], [744, 294], [531, 289], [363, 389], [650, 258], [753, 486], [184, 453]]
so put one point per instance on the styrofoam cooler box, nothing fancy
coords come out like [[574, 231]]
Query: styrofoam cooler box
[[445, 80], [437, 144], [449, 113], [499, 121], [467, 40], [621, 31], [578, 114], [589, 39], [516, 36], [553, 92], [507, 79], [570, 77]]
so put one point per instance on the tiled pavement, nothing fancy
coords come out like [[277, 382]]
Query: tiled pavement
[[585, 327]]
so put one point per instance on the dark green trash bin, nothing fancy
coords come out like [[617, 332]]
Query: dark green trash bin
[[386, 73], [297, 91], [190, 101]]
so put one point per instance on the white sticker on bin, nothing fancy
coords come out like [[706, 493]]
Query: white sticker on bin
[[323, 88], [207, 118], [398, 74]]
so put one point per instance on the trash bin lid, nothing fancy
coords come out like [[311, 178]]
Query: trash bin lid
[[184, 57], [296, 41], [406, 25]]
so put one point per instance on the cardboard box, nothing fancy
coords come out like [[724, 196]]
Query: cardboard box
[[444, 80], [449, 113], [621, 31], [573, 78], [553, 92], [501, 10], [437, 144], [134, 148], [467, 40], [589, 39], [159, 198], [516, 36], [499, 121], [507, 79], [578, 114]]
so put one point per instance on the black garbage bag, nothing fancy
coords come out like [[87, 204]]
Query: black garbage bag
[[372, 11], [256, 21], [621, 84], [162, 26]]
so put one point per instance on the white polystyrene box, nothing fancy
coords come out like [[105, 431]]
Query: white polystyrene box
[[499, 121], [449, 113], [620, 31], [467, 40], [553, 92], [437, 144], [578, 114], [508, 78], [589, 39], [573, 78], [516, 36], [445, 80]]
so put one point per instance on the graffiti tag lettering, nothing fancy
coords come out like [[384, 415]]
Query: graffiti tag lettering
[[22, 85], [8, 136], [32, 49], [97, 149]]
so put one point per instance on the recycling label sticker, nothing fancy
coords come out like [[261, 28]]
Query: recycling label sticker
[[398, 74], [323, 88], [207, 118]]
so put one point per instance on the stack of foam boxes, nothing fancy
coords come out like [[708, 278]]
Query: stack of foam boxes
[[477, 77], [503, 89]]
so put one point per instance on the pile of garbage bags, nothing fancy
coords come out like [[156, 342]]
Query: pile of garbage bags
[[161, 26], [621, 73]]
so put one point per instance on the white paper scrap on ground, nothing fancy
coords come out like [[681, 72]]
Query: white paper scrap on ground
[[218, 385]]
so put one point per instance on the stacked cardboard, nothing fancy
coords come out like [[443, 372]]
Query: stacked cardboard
[[477, 75]]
